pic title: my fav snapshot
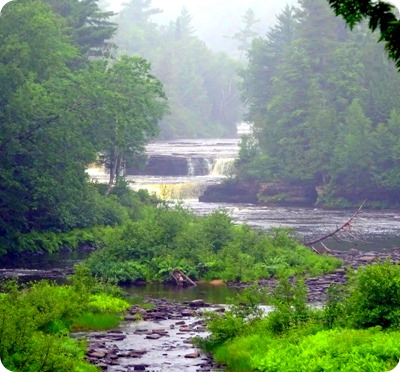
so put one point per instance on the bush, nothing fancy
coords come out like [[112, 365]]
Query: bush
[[236, 320], [210, 247], [34, 326], [332, 350], [35, 322], [374, 296], [107, 304], [289, 301]]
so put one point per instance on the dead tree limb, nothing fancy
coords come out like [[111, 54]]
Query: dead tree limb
[[344, 227], [181, 278]]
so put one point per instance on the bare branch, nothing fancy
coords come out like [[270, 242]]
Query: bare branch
[[345, 227]]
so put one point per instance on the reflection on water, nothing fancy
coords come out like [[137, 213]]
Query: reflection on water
[[45, 261], [219, 294]]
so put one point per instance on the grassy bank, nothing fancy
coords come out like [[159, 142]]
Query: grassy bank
[[35, 322], [356, 330]]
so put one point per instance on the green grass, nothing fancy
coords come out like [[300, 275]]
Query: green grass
[[345, 350], [95, 322]]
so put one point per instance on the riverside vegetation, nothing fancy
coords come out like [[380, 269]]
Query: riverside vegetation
[[36, 322], [147, 239], [357, 329]]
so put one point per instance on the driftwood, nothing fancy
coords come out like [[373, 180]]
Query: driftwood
[[345, 227], [181, 279]]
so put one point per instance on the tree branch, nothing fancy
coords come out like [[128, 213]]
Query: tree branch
[[345, 226]]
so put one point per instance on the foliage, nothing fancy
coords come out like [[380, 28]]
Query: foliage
[[381, 15], [88, 26], [35, 322], [105, 303], [336, 350], [58, 110], [289, 302], [295, 337], [321, 105], [129, 101], [236, 319], [168, 238], [373, 298], [95, 322]]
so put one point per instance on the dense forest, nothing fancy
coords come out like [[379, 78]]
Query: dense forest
[[323, 103], [201, 85], [63, 102]]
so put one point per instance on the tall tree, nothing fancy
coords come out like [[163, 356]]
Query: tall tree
[[317, 103], [129, 102], [352, 160], [54, 121], [248, 33], [183, 25], [90, 28], [43, 157], [137, 33]]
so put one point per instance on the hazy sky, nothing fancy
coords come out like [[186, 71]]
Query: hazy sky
[[215, 20]]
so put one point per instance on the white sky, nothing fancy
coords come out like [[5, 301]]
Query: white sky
[[215, 20], [173, 6]]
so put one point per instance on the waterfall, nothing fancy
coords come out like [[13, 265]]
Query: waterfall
[[198, 166], [178, 191], [223, 167], [180, 169]]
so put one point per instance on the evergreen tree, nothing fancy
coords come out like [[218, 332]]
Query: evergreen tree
[[248, 33], [89, 27], [352, 158], [319, 96]]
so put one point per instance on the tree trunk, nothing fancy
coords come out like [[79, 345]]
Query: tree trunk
[[114, 161]]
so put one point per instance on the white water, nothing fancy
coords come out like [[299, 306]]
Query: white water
[[372, 230]]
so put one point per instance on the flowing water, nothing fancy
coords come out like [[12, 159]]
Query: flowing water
[[195, 164], [210, 161], [182, 169]]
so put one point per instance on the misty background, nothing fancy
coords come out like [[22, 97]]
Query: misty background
[[215, 21]]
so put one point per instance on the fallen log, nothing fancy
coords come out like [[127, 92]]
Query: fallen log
[[181, 278]]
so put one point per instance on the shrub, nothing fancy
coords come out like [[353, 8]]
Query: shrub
[[107, 304], [33, 330], [374, 296]]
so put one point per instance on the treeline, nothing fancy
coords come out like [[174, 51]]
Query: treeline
[[201, 84], [63, 102], [323, 103]]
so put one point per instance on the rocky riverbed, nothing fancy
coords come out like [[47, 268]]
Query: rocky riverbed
[[160, 339], [154, 340], [352, 260]]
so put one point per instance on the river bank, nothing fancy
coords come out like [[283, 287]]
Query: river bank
[[352, 259], [160, 339]]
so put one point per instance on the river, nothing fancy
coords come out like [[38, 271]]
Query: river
[[181, 170]]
